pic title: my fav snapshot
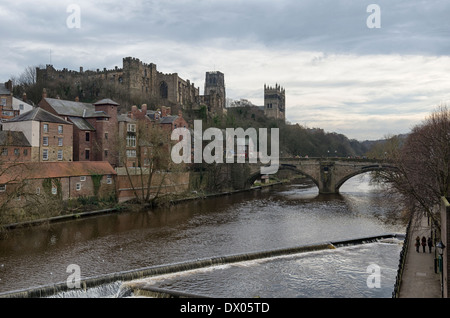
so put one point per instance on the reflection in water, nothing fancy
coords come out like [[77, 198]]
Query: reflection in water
[[279, 217]]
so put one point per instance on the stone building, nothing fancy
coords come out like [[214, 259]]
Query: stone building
[[50, 136], [136, 81], [215, 93], [275, 102]]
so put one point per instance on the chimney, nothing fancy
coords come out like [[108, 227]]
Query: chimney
[[163, 112], [24, 96], [180, 113], [134, 111], [81, 69], [9, 86], [144, 109], [77, 99], [44, 93]]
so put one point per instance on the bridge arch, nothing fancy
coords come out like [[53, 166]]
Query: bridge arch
[[363, 170], [293, 168]]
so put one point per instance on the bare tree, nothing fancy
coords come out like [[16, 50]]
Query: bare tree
[[149, 176], [423, 165]]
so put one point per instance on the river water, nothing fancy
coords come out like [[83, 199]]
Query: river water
[[277, 217]]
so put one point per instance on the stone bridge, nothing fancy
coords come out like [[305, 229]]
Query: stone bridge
[[329, 174]]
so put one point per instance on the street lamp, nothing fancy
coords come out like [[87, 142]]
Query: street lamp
[[440, 246]]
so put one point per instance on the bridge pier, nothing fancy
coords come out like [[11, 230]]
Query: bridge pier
[[327, 182]]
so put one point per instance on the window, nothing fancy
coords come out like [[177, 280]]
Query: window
[[60, 141], [46, 128], [38, 190], [45, 141], [4, 151], [3, 101], [54, 190], [60, 129], [2, 187], [106, 136], [131, 127], [106, 153], [131, 153], [83, 178], [78, 186], [16, 151], [87, 136], [108, 179], [25, 152], [45, 154], [131, 141], [7, 113], [21, 106], [86, 154], [60, 155]]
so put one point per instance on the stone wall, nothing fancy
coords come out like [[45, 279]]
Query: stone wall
[[173, 183]]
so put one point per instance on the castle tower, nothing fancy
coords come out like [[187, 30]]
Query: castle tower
[[215, 85], [275, 102]]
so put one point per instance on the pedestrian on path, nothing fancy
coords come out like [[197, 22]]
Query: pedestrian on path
[[430, 243], [424, 243], [417, 244]]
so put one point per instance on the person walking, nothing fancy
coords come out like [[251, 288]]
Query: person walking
[[424, 243], [430, 243], [417, 244]]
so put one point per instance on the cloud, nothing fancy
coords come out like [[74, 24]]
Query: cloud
[[339, 74]]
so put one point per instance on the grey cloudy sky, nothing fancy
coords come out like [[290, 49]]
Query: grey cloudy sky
[[339, 74]]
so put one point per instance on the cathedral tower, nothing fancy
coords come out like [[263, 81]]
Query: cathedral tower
[[275, 102]]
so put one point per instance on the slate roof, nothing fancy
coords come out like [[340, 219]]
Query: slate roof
[[70, 108], [106, 101], [38, 114], [168, 119], [13, 138], [77, 109], [4, 90], [81, 124], [125, 118]]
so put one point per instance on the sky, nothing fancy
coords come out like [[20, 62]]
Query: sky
[[347, 66]]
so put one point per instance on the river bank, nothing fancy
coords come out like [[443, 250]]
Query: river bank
[[117, 208]]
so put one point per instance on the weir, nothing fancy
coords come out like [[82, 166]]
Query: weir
[[113, 282]]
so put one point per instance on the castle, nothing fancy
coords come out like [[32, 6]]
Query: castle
[[275, 102], [139, 83]]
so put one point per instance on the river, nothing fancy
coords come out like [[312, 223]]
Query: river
[[277, 217]]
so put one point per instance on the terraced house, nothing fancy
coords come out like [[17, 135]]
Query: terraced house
[[50, 136], [95, 127]]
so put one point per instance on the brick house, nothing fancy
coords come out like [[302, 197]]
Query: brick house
[[50, 136], [95, 127], [68, 180], [14, 147]]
